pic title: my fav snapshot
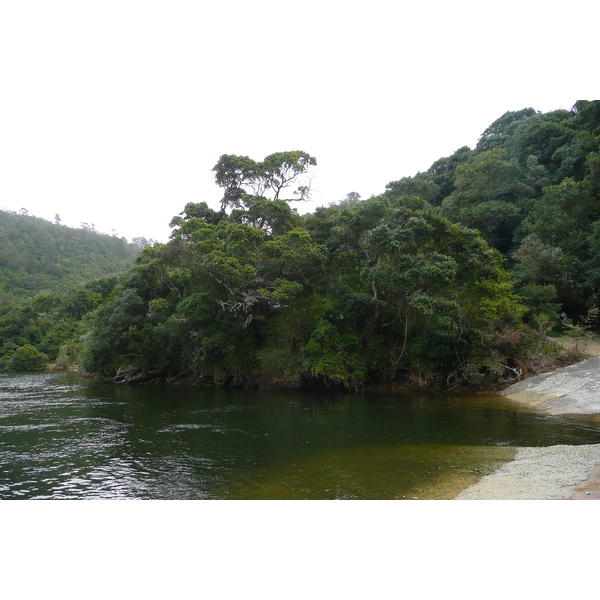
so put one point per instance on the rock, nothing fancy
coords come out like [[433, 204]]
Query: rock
[[569, 390]]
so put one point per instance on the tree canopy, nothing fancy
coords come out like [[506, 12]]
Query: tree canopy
[[40, 257], [410, 283], [350, 295], [450, 277], [532, 187], [240, 177]]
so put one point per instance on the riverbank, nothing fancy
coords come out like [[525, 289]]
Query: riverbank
[[555, 472], [51, 367], [552, 473]]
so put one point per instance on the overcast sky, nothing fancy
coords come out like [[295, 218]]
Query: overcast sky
[[113, 113]]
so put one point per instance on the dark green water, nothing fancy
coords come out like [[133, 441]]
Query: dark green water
[[62, 436]]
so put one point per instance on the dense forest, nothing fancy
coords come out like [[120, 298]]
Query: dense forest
[[51, 276], [532, 188], [40, 257], [452, 277]]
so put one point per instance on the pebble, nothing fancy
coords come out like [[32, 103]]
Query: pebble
[[549, 472]]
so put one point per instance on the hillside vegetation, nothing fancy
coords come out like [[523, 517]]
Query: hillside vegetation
[[37, 256], [51, 276], [532, 188]]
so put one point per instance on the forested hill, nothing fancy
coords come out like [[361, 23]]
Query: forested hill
[[531, 186], [37, 256], [254, 294], [452, 277]]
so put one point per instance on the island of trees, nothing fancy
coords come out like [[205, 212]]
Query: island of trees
[[449, 278]]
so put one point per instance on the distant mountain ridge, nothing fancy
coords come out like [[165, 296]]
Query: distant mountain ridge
[[37, 256]]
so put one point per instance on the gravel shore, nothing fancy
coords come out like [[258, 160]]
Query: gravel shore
[[555, 472], [552, 473]]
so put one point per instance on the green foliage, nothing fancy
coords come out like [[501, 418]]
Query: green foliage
[[42, 258], [442, 173], [27, 358], [334, 356], [532, 188], [241, 176], [564, 215], [409, 282], [501, 129], [52, 324], [581, 332], [422, 185], [345, 296], [63, 360], [490, 191]]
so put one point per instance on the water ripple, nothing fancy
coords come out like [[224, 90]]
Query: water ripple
[[63, 437]]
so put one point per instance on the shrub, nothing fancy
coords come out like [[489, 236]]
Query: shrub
[[27, 358]]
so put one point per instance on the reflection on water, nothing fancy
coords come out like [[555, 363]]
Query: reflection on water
[[62, 436]]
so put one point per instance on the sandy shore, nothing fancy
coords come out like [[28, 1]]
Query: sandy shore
[[555, 472], [552, 473]]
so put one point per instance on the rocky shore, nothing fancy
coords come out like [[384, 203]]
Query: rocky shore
[[555, 472], [570, 390]]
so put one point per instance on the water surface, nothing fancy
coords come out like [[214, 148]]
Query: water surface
[[62, 436]]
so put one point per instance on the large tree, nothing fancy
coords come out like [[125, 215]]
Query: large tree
[[240, 177]]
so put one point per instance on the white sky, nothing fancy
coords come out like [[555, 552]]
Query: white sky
[[115, 112]]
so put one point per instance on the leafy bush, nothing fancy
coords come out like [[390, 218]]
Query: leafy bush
[[27, 358]]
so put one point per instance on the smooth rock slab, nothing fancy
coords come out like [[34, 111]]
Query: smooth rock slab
[[570, 390]]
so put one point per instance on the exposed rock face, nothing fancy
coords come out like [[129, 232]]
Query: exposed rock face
[[570, 390]]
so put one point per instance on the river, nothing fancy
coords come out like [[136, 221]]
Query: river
[[66, 437]]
